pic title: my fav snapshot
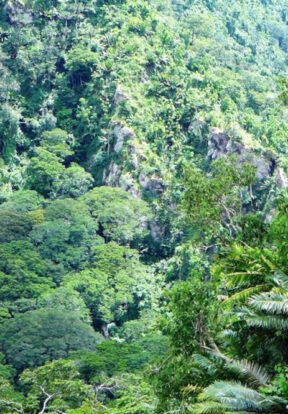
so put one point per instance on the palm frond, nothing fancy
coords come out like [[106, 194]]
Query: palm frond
[[254, 373], [271, 302], [239, 278], [208, 407], [244, 294], [205, 364], [225, 390], [236, 397], [280, 279], [271, 265], [267, 322]]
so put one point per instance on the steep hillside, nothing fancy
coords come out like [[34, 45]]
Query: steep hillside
[[139, 139]]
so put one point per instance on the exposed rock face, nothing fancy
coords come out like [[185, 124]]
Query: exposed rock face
[[120, 95], [135, 192], [265, 168], [127, 183], [281, 178], [154, 183], [136, 154], [121, 133], [221, 144], [157, 231], [111, 175], [197, 125], [18, 13]]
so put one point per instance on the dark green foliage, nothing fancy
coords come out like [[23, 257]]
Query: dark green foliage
[[118, 285], [121, 217], [113, 358], [215, 199], [143, 147], [249, 329], [23, 273], [190, 323], [60, 378], [283, 83], [43, 171], [31, 339], [64, 299], [67, 235], [23, 201], [14, 225]]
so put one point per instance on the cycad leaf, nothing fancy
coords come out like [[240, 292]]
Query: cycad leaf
[[239, 278], [272, 303], [280, 279], [267, 322], [244, 294], [205, 363], [255, 374], [236, 397], [209, 407]]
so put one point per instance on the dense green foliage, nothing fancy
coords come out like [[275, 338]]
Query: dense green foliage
[[143, 206]]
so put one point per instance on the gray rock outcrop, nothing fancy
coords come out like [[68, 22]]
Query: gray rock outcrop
[[18, 13], [220, 143], [121, 132], [155, 183]]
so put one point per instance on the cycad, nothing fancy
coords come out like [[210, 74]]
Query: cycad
[[260, 275], [267, 322], [234, 397], [267, 310], [259, 297], [271, 302], [253, 373], [245, 370]]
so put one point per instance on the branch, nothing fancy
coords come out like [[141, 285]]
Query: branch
[[12, 403], [158, 369], [106, 388], [213, 348], [49, 397]]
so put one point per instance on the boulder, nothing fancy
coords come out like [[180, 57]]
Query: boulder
[[221, 144]]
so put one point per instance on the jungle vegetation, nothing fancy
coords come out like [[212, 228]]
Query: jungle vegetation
[[143, 206]]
